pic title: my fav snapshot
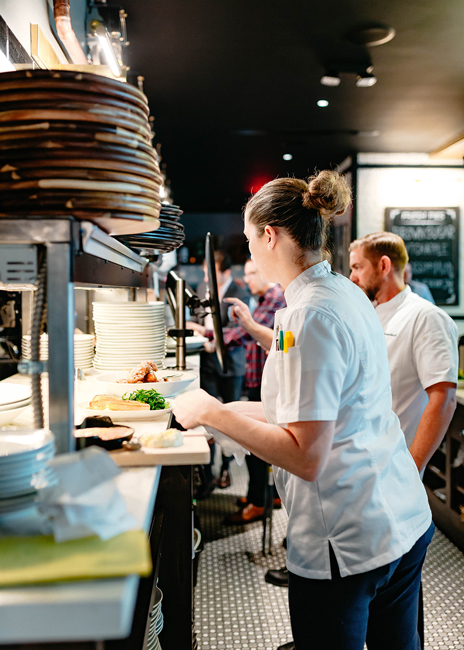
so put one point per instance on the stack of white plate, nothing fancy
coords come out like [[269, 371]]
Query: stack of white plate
[[83, 349], [14, 400], [24, 470], [128, 333]]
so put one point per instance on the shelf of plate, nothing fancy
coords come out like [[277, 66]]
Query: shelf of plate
[[78, 254]]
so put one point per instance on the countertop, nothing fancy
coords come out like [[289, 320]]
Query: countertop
[[84, 610], [94, 609]]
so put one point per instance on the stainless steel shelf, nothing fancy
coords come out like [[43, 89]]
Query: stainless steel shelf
[[78, 254]]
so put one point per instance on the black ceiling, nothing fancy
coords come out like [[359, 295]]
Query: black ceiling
[[233, 86]]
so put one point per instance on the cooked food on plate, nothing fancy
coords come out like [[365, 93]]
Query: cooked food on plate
[[105, 433], [144, 373], [149, 397], [102, 402], [168, 438]]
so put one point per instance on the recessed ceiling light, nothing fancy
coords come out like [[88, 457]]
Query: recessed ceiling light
[[287, 156], [366, 80], [322, 103], [330, 79], [371, 35]]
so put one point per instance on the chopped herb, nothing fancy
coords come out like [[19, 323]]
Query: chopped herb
[[148, 396]]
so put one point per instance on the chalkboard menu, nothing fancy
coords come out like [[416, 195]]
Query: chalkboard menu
[[431, 236]]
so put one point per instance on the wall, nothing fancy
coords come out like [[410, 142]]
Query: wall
[[20, 14], [420, 185]]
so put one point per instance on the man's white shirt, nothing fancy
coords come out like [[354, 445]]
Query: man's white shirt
[[422, 345]]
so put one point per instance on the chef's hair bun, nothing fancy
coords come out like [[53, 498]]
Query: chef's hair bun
[[328, 192], [303, 209]]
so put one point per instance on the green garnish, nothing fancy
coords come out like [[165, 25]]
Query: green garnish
[[148, 396]]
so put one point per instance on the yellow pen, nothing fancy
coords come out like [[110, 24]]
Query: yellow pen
[[289, 341]]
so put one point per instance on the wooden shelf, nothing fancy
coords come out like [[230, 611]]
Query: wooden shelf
[[459, 489], [437, 472]]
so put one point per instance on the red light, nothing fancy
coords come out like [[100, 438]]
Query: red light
[[257, 183]]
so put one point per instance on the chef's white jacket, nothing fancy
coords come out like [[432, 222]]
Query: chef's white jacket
[[422, 345], [369, 503]]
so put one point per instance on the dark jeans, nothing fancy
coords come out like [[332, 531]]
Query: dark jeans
[[378, 607], [229, 389], [257, 468]]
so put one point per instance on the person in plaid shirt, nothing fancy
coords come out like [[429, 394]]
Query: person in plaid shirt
[[255, 331]]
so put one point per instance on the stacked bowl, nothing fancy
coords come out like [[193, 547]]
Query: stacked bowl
[[14, 400], [128, 333], [78, 144], [83, 349], [24, 470]]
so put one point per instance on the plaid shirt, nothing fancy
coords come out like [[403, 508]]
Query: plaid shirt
[[272, 300]]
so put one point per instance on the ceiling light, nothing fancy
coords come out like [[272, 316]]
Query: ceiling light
[[287, 156], [322, 103], [105, 41], [330, 79], [365, 80], [371, 35]]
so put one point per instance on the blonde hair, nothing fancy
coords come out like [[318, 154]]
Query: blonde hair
[[377, 244], [304, 209]]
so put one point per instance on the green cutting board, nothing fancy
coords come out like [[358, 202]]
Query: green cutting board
[[32, 560]]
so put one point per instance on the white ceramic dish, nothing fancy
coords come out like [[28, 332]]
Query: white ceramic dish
[[125, 416], [13, 393], [19, 445], [108, 382], [16, 405], [6, 417]]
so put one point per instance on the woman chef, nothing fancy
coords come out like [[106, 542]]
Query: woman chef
[[359, 521]]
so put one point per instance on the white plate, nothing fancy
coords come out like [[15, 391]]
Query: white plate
[[109, 384], [34, 481], [126, 415], [13, 393], [18, 445], [6, 417], [16, 405]]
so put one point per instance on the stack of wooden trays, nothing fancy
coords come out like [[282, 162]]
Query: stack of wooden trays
[[77, 144], [169, 236]]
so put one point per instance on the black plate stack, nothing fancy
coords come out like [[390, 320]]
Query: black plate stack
[[169, 236], [79, 144]]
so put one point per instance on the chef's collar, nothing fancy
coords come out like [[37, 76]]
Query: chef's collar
[[319, 270], [394, 302]]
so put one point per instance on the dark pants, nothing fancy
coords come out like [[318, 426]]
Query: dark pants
[[229, 389], [257, 468], [378, 607]]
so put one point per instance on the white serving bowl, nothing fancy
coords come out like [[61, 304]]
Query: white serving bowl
[[6, 417], [107, 383]]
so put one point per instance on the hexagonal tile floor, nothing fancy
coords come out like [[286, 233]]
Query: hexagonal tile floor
[[236, 609]]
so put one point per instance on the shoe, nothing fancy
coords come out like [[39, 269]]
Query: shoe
[[224, 480], [277, 504], [287, 646], [277, 577], [241, 502], [204, 491], [247, 515]]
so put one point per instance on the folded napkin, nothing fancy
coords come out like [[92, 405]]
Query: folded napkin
[[229, 447], [86, 500]]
